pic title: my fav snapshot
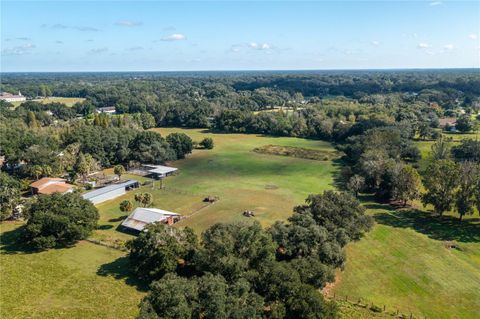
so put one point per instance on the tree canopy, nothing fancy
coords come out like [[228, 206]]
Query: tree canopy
[[59, 220]]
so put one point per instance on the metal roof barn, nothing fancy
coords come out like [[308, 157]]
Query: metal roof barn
[[141, 217], [110, 192], [160, 170]]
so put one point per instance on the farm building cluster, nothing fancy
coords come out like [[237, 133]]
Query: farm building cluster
[[139, 218]]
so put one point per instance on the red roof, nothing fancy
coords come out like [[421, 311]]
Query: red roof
[[49, 185]]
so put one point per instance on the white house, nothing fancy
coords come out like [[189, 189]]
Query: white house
[[12, 97], [141, 217], [107, 109]]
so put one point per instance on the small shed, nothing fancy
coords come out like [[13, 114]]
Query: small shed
[[141, 217], [110, 192], [159, 171]]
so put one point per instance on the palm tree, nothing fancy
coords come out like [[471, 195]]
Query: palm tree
[[36, 170]]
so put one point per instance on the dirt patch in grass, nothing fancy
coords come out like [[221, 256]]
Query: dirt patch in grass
[[299, 152], [271, 186]]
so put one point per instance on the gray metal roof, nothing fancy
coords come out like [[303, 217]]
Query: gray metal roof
[[108, 188], [141, 217], [160, 169]]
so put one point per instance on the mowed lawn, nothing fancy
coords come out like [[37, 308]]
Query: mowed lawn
[[85, 281], [269, 185], [404, 263]]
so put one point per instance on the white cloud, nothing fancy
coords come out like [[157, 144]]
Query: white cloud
[[57, 26], [423, 45], [239, 47], [128, 23], [98, 50], [137, 48], [435, 3], [235, 48], [375, 42], [449, 47], [60, 26], [19, 50], [83, 28], [259, 46], [473, 36], [174, 37]]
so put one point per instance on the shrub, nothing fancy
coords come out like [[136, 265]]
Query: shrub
[[207, 143], [126, 206]]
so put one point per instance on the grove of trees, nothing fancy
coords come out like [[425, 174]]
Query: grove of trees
[[245, 271]]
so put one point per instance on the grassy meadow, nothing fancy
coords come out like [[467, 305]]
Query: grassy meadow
[[68, 101], [403, 263], [92, 281], [269, 185], [85, 281]]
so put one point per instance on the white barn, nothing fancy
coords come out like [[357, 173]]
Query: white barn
[[141, 217], [110, 192]]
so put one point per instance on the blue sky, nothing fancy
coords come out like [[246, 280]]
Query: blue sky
[[229, 35]]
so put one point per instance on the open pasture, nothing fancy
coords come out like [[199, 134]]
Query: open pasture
[[405, 263], [68, 101], [85, 281], [269, 185]]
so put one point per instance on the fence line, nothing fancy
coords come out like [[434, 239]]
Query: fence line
[[366, 304], [105, 244]]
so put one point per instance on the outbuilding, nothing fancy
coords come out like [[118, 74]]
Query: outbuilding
[[110, 192], [142, 216], [50, 185], [159, 171]]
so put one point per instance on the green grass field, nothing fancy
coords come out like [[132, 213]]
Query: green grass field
[[402, 263], [68, 101], [86, 281], [91, 281], [270, 185], [425, 146]]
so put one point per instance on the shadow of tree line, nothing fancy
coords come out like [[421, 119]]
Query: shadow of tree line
[[443, 228], [11, 242]]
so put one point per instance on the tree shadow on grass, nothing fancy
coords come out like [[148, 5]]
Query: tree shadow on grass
[[117, 219], [104, 227], [435, 227], [339, 180], [120, 270], [12, 242]]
